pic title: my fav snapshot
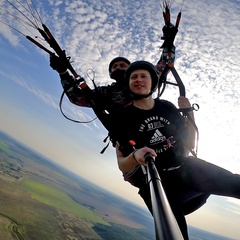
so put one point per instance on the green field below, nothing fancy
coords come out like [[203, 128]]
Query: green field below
[[59, 200], [41, 200]]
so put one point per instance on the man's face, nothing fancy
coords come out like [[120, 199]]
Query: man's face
[[140, 82], [121, 65]]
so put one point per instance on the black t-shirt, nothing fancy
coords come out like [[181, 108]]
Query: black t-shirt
[[160, 128], [112, 97]]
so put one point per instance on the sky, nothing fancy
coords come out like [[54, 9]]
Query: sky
[[93, 32]]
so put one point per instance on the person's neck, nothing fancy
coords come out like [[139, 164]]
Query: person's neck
[[144, 103]]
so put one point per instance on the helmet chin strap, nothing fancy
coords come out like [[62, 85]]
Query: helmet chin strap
[[141, 96]]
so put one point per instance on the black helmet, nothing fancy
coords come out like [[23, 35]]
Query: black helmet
[[117, 59], [145, 66]]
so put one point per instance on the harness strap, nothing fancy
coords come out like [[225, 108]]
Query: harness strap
[[185, 112]]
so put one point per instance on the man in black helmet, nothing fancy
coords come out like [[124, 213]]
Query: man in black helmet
[[117, 68], [158, 128], [102, 99], [106, 98], [113, 94]]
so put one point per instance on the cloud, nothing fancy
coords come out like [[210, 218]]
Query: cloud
[[96, 31], [93, 32], [7, 33], [214, 46], [25, 81]]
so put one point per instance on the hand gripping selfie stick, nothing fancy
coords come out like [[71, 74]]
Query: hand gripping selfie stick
[[166, 227]]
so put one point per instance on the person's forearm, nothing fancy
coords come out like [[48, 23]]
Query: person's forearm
[[135, 158], [126, 164]]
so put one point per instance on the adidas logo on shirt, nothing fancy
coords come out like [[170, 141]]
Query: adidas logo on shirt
[[157, 137]]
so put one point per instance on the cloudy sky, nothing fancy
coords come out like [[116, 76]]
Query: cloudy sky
[[95, 31]]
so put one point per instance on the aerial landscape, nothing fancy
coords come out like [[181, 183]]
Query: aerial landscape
[[41, 200], [55, 183]]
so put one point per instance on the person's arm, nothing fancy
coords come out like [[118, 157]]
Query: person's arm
[[183, 102], [165, 58], [69, 83], [168, 52], [128, 163], [72, 90]]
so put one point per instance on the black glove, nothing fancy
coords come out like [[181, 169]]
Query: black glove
[[60, 64], [169, 34]]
